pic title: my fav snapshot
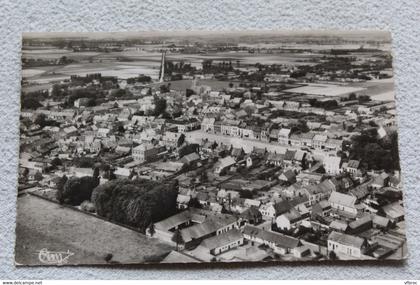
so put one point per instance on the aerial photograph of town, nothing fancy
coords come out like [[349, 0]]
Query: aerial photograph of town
[[199, 147]]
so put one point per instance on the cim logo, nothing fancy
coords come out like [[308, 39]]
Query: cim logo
[[54, 257]]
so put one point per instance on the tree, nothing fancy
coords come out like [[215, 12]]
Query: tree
[[376, 153], [160, 106], [91, 102], [55, 90], [111, 175], [132, 173], [181, 140], [164, 88], [190, 148], [38, 176], [332, 255], [364, 98], [189, 92], [204, 176], [177, 238], [30, 103], [61, 183], [84, 162], [76, 190], [41, 120], [194, 203], [152, 230], [300, 127], [96, 172], [56, 162], [25, 173], [108, 257], [352, 96]]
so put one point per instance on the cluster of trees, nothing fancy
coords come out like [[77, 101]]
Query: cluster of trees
[[220, 67], [81, 80], [300, 127], [160, 106], [30, 103], [31, 100], [327, 105], [141, 79], [189, 92], [178, 67], [374, 152], [119, 93], [88, 92], [84, 162], [43, 121], [165, 88], [64, 60], [187, 149], [138, 203]]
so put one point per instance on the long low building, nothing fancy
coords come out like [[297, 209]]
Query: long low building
[[194, 226], [223, 242]]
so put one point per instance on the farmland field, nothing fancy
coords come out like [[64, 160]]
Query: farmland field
[[131, 63]]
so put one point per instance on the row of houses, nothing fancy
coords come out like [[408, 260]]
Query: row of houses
[[283, 136]]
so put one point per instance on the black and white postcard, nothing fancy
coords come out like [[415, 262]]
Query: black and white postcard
[[199, 147]]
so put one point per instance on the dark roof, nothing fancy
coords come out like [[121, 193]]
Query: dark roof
[[222, 239], [190, 157], [346, 239], [175, 220], [251, 213], [360, 192], [289, 174], [178, 257], [211, 225], [359, 222], [289, 155], [278, 239], [353, 164]]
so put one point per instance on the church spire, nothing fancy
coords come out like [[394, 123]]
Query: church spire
[[162, 67]]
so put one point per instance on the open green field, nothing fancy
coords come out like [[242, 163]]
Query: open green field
[[42, 224], [381, 89]]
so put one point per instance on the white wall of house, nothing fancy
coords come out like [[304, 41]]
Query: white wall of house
[[226, 247], [344, 249], [344, 208]]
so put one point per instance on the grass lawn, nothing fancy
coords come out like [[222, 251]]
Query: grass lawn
[[44, 224]]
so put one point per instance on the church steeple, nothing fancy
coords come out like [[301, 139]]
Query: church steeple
[[162, 67]]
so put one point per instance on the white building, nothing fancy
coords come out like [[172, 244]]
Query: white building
[[332, 165], [343, 203]]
